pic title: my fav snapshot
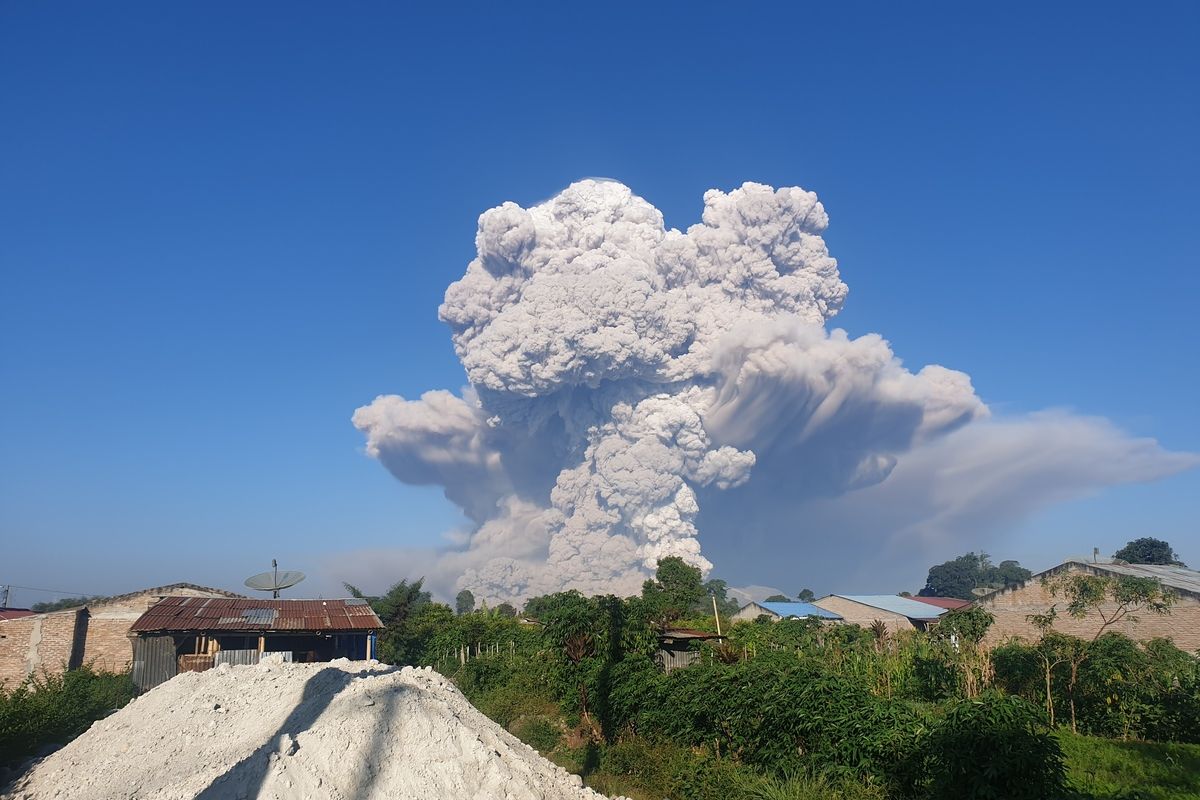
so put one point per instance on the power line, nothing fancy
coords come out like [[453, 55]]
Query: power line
[[49, 591]]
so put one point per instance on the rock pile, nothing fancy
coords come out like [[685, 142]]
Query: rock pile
[[275, 731]]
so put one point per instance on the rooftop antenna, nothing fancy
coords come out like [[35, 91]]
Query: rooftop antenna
[[274, 580]]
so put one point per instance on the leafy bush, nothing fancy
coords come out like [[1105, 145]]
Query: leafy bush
[[993, 748], [1018, 671], [1124, 689], [785, 714], [637, 764], [539, 733], [53, 709]]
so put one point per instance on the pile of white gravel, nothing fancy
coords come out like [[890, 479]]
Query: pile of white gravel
[[343, 731]]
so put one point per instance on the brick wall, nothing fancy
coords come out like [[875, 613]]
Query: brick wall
[[1011, 606], [96, 635], [40, 642], [108, 645], [859, 614]]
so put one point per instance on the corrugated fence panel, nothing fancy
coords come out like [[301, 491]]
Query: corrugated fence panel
[[237, 657], [671, 660], [153, 661]]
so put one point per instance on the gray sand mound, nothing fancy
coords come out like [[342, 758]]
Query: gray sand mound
[[343, 731]]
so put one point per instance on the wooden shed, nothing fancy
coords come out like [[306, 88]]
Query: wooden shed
[[191, 634], [676, 650]]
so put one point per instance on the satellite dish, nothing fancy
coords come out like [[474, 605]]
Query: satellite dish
[[274, 580]]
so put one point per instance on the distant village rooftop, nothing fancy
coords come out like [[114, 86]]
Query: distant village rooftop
[[781, 610], [904, 606]]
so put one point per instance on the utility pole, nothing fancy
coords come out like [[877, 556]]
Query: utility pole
[[716, 616]]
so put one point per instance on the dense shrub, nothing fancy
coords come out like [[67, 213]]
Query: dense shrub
[[1124, 689], [782, 713], [539, 733], [53, 709], [797, 708], [1018, 671], [993, 748]]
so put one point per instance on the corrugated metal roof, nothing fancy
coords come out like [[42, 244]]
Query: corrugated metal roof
[[798, 610], [203, 614], [15, 613], [687, 633], [949, 603], [1182, 578], [897, 605]]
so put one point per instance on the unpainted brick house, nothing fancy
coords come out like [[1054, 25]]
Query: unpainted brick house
[[95, 634], [1014, 604], [897, 613]]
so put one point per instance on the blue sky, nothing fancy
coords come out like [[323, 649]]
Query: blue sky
[[225, 227]]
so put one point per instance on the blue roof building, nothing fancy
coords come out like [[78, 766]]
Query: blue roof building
[[752, 611], [898, 613]]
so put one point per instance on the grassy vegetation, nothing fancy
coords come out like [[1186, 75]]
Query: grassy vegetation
[[53, 709], [1098, 769], [1107, 769], [644, 770]]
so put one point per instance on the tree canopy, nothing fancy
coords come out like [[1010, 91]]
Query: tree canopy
[[1148, 550], [65, 602], [726, 605], [464, 602], [959, 576], [394, 609], [677, 588]]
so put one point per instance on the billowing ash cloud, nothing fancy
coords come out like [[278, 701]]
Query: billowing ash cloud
[[619, 371]]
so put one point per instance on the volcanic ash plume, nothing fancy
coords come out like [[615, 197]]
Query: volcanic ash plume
[[617, 369]]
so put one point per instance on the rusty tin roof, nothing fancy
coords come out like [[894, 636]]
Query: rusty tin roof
[[204, 614]]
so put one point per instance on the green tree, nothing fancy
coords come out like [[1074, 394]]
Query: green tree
[[955, 578], [411, 641], [1008, 573], [726, 605], [1148, 550], [464, 602], [967, 625], [778, 598], [66, 602], [677, 588], [506, 610], [806, 596], [1111, 600], [393, 609], [571, 623]]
